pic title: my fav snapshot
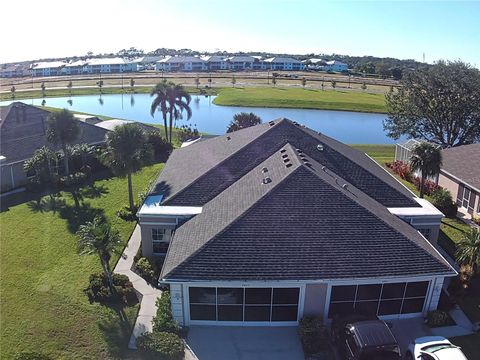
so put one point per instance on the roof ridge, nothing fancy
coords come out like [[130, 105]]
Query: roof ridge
[[227, 136], [243, 212]]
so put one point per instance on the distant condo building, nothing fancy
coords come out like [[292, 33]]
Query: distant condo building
[[89, 66]]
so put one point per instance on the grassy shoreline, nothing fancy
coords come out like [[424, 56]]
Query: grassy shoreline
[[268, 97]]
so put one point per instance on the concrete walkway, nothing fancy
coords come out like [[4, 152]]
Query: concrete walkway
[[147, 294]]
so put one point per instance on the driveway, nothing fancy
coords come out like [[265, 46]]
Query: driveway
[[245, 343]]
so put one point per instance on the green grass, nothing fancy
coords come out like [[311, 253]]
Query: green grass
[[43, 306], [37, 93], [301, 98], [380, 153]]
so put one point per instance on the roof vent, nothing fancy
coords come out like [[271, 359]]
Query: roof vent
[[308, 164], [282, 151], [299, 151], [324, 168], [284, 156], [229, 138], [271, 123], [345, 186], [296, 123], [288, 165], [319, 133], [302, 156], [264, 170], [320, 147], [286, 160], [266, 180]]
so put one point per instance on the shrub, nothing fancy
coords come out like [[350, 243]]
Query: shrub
[[163, 320], [73, 180], [442, 199], [161, 148], [429, 186], [313, 335], [99, 291], [145, 269], [402, 169], [126, 214], [161, 345], [31, 355], [187, 133], [439, 318], [476, 219]]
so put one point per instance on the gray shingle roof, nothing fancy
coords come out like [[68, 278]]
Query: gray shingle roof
[[303, 225], [462, 162], [196, 174], [22, 131]]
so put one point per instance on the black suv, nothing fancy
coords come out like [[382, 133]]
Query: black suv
[[360, 338]]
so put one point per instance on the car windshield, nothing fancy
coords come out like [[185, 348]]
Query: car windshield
[[437, 347]]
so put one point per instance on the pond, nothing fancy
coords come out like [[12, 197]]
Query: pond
[[348, 127]]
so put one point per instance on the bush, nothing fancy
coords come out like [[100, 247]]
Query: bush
[[161, 148], [73, 180], [429, 186], [402, 169], [145, 269], [439, 318], [313, 335], [187, 133], [442, 199], [161, 345], [163, 320], [476, 219], [99, 291], [126, 214]]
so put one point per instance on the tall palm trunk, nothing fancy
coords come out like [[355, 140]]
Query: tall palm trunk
[[165, 124], [65, 159], [171, 122], [422, 185], [107, 272], [130, 192]]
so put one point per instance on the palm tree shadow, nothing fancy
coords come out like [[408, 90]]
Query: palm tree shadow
[[77, 216], [93, 191], [162, 188], [46, 204], [116, 331]]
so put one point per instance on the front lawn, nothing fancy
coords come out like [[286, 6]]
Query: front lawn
[[43, 277]]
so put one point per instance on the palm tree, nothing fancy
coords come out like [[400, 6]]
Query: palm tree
[[304, 82], [160, 102], [233, 81], [427, 159], [197, 81], [334, 83], [97, 237], [70, 84], [100, 85], [178, 100], [468, 249], [126, 153], [42, 165], [43, 87], [12, 90], [243, 120], [274, 81], [62, 130], [132, 84]]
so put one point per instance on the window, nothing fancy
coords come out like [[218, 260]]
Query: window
[[244, 304], [157, 234], [466, 197], [378, 299], [159, 241]]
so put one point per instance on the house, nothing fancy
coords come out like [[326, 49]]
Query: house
[[282, 63], [270, 223], [75, 67], [182, 63], [109, 65], [22, 131], [335, 66], [239, 62], [48, 68], [111, 124], [460, 174], [147, 62], [14, 70], [215, 62]]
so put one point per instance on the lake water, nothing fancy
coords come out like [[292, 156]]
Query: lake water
[[348, 127]]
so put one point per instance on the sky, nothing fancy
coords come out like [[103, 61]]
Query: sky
[[401, 29]]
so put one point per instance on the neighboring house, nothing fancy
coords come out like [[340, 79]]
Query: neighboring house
[[90, 119], [15, 70], [460, 174], [74, 67], [22, 131], [403, 150], [182, 63], [281, 63], [270, 223], [109, 65], [147, 62], [89, 66], [113, 123]]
